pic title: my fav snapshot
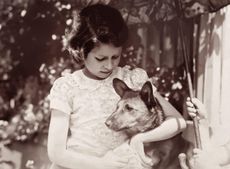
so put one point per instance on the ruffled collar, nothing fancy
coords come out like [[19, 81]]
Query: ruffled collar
[[84, 82]]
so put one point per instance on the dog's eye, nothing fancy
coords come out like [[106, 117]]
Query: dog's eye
[[128, 107]]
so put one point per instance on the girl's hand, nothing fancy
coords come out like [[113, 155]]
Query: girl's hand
[[112, 161], [183, 161], [196, 108], [201, 159], [137, 144]]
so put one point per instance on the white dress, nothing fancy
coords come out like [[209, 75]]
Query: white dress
[[89, 103]]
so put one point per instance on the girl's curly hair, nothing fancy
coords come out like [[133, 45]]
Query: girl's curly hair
[[98, 23]]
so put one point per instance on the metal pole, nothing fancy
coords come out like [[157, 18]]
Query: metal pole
[[184, 50]]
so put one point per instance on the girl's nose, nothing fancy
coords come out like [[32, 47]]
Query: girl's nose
[[109, 65]]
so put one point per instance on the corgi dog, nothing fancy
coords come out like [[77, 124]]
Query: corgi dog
[[140, 111]]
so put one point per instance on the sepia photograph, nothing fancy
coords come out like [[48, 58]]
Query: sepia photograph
[[114, 84]]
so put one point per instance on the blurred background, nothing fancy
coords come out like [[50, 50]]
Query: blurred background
[[33, 54]]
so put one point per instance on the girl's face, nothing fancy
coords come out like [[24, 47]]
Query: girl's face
[[101, 61]]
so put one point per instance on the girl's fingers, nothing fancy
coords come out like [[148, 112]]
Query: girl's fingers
[[194, 101], [147, 161], [192, 110], [194, 105], [197, 102], [192, 114], [196, 151], [182, 161], [189, 104]]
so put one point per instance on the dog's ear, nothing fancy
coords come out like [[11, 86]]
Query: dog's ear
[[146, 94], [120, 87]]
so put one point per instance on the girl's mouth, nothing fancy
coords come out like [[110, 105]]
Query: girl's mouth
[[104, 72]]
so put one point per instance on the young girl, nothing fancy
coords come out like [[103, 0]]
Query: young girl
[[82, 101]]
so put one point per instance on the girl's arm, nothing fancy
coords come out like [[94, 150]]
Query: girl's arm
[[60, 155], [57, 138], [173, 124]]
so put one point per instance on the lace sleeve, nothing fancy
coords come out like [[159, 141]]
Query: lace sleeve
[[60, 95]]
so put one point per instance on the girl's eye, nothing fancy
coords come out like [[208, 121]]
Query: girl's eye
[[128, 107], [115, 57], [99, 59]]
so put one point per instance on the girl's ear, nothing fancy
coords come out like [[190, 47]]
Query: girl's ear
[[146, 94], [120, 87]]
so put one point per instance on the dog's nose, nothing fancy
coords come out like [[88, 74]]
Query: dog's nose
[[108, 123]]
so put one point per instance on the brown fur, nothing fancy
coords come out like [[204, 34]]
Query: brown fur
[[140, 111]]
